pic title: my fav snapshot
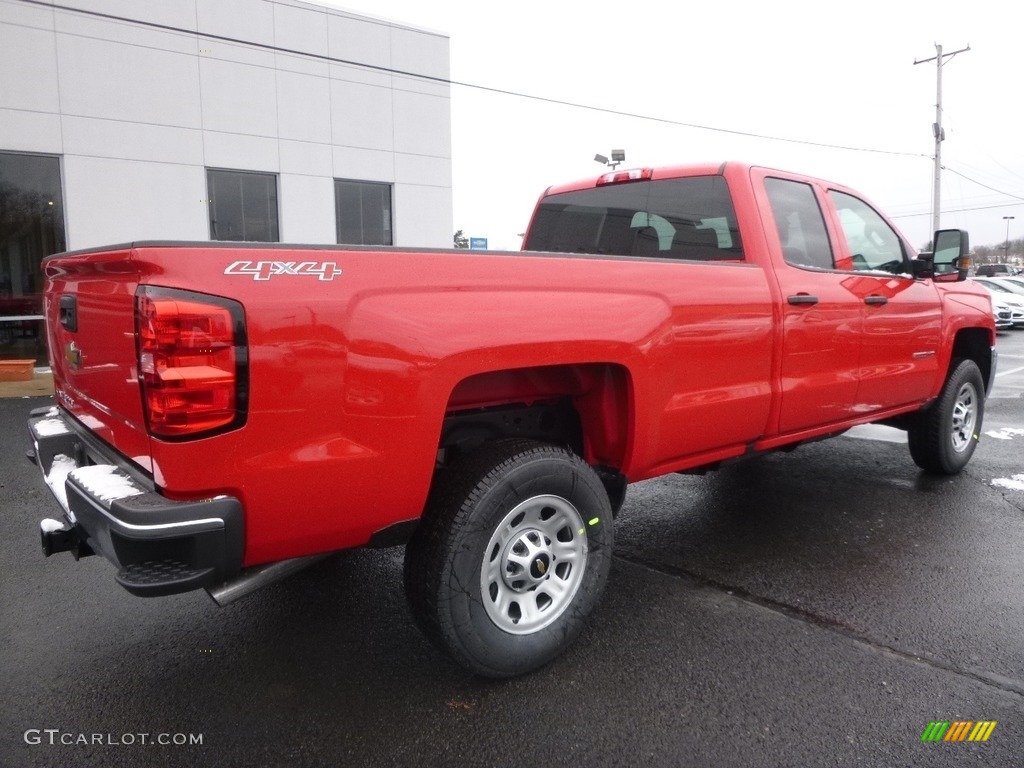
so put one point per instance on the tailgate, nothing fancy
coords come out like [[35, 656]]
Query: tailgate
[[90, 323]]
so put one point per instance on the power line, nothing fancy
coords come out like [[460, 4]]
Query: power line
[[986, 186], [461, 84], [506, 92], [955, 210]]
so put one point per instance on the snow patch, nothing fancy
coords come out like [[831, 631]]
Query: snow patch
[[1006, 433], [51, 427], [106, 483], [878, 432], [1015, 483], [48, 525], [59, 471]]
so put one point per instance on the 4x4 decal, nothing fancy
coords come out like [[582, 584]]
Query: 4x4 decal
[[264, 270]]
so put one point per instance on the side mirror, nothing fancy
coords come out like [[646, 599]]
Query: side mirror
[[923, 266], [951, 255]]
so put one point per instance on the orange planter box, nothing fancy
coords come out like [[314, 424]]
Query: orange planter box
[[16, 370]]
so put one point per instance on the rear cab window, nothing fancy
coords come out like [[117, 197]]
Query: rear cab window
[[690, 218]]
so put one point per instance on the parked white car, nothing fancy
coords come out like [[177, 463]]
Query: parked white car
[[1005, 315], [1014, 285], [1009, 299]]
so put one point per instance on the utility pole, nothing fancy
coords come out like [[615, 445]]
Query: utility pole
[[937, 129]]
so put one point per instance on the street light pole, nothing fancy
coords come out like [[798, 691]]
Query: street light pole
[[1006, 245]]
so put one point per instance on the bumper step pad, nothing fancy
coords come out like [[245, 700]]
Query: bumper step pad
[[154, 578]]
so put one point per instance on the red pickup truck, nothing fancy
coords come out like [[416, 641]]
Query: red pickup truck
[[227, 412]]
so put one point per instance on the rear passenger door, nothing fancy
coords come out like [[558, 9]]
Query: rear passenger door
[[822, 318]]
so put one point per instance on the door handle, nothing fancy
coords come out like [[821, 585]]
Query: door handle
[[69, 313], [802, 299], [876, 300]]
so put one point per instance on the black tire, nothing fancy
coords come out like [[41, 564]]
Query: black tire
[[943, 437], [517, 527]]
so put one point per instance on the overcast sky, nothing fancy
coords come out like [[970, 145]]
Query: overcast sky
[[816, 72]]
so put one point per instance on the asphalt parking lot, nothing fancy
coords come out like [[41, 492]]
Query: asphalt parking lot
[[814, 608]]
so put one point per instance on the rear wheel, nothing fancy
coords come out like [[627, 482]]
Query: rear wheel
[[943, 437], [511, 556]]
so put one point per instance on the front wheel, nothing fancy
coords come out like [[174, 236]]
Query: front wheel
[[511, 556], [943, 437]]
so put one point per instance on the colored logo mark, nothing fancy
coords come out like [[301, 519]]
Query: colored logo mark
[[958, 730]]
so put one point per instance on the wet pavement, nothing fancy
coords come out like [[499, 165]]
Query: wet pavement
[[813, 608]]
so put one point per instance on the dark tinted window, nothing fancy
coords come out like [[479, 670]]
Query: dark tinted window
[[800, 224], [243, 206], [691, 218], [363, 212], [31, 228]]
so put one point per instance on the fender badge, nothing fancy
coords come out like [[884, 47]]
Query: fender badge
[[264, 270]]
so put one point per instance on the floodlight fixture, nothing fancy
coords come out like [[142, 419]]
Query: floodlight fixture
[[618, 156]]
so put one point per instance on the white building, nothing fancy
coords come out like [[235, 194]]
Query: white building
[[272, 120]]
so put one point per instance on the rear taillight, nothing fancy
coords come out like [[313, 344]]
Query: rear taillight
[[192, 359]]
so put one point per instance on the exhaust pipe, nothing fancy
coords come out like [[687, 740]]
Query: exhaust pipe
[[259, 576]]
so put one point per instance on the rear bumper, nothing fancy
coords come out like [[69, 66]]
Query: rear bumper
[[159, 546]]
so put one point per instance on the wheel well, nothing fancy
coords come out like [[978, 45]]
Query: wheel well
[[555, 422], [973, 344], [585, 407]]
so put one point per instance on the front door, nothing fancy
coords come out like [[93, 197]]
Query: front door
[[902, 316]]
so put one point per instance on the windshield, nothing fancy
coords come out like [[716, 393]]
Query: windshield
[[688, 218]]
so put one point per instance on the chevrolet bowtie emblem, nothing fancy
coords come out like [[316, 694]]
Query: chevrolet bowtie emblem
[[73, 355], [541, 565]]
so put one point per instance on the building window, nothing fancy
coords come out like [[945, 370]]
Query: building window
[[31, 228], [243, 206], [363, 212]]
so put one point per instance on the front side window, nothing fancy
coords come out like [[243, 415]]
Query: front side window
[[31, 228], [687, 218], [800, 224], [874, 245], [243, 206], [363, 212]]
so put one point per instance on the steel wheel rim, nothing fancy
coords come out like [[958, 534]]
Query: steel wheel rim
[[965, 416], [533, 564]]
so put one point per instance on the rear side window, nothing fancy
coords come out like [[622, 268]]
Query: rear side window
[[690, 218], [800, 224]]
